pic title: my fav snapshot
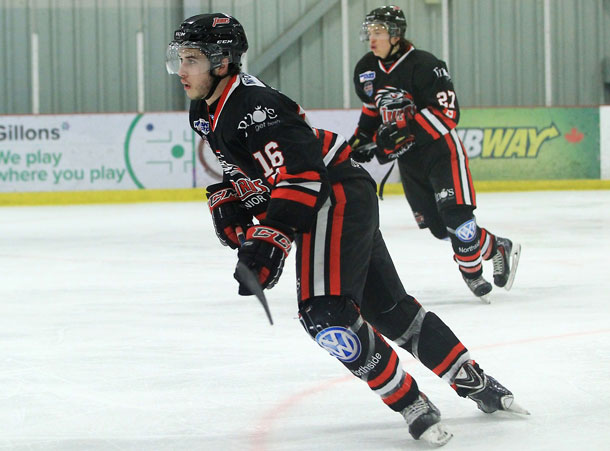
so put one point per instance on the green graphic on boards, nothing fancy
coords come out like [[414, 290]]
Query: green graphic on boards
[[531, 143], [156, 153]]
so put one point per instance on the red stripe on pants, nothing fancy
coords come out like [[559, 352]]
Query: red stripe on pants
[[335, 240], [473, 196], [455, 170], [305, 265]]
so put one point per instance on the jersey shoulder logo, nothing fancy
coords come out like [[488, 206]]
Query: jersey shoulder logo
[[202, 125], [369, 75], [250, 80], [441, 72]]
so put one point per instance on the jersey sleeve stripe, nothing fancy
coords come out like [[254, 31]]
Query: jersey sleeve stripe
[[434, 122], [330, 154], [326, 145], [307, 175], [312, 186], [343, 154], [426, 126], [294, 195], [448, 122], [369, 111]]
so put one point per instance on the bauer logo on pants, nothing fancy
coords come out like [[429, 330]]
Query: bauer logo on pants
[[340, 342], [467, 231]]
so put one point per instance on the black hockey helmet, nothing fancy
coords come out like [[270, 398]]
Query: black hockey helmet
[[391, 17], [216, 35]]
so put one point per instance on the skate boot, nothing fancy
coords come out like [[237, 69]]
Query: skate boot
[[505, 262], [424, 419], [488, 393], [479, 287]]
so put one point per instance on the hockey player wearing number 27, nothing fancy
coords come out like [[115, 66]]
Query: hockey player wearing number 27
[[409, 114], [285, 182]]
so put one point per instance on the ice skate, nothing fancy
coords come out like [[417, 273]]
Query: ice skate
[[487, 392], [424, 423], [479, 287], [505, 261]]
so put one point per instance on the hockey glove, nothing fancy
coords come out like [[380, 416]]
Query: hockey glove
[[227, 213], [363, 147], [264, 251], [395, 138]]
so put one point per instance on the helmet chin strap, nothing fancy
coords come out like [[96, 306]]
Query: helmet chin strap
[[216, 79], [391, 51]]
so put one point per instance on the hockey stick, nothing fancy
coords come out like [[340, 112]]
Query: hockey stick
[[248, 278]]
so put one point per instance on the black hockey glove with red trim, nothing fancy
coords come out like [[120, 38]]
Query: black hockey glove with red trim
[[227, 213], [394, 138], [264, 251], [363, 146]]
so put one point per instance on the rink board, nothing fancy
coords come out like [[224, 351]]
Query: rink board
[[156, 156]]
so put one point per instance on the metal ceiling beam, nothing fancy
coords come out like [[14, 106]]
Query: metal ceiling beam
[[256, 66]]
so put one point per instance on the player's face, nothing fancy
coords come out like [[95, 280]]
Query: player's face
[[380, 42], [194, 73]]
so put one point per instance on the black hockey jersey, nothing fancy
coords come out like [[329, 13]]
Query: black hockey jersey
[[418, 84], [279, 165]]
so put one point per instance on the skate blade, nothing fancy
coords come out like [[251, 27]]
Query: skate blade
[[485, 299], [436, 435], [516, 408], [515, 253]]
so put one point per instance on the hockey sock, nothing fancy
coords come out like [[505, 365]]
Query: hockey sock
[[424, 335]]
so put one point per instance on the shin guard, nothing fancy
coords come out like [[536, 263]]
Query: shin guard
[[336, 325]]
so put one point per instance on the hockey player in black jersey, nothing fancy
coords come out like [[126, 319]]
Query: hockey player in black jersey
[[285, 182], [409, 115]]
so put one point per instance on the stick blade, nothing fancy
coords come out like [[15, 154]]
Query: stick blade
[[246, 276]]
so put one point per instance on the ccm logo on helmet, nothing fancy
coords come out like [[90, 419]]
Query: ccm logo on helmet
[[220, 20]]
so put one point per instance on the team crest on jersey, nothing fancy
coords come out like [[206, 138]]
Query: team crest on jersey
[[369, 75], [250, 80], [368, 88], [340, 342], [467, 231], [202, 125], [391, 101]]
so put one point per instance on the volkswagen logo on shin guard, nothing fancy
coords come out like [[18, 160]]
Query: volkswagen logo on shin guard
[[340, 342], [467, 231]]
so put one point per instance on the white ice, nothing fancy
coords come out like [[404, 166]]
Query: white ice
[[121, 329]]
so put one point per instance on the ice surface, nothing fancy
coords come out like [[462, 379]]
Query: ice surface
[[121, 329]]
